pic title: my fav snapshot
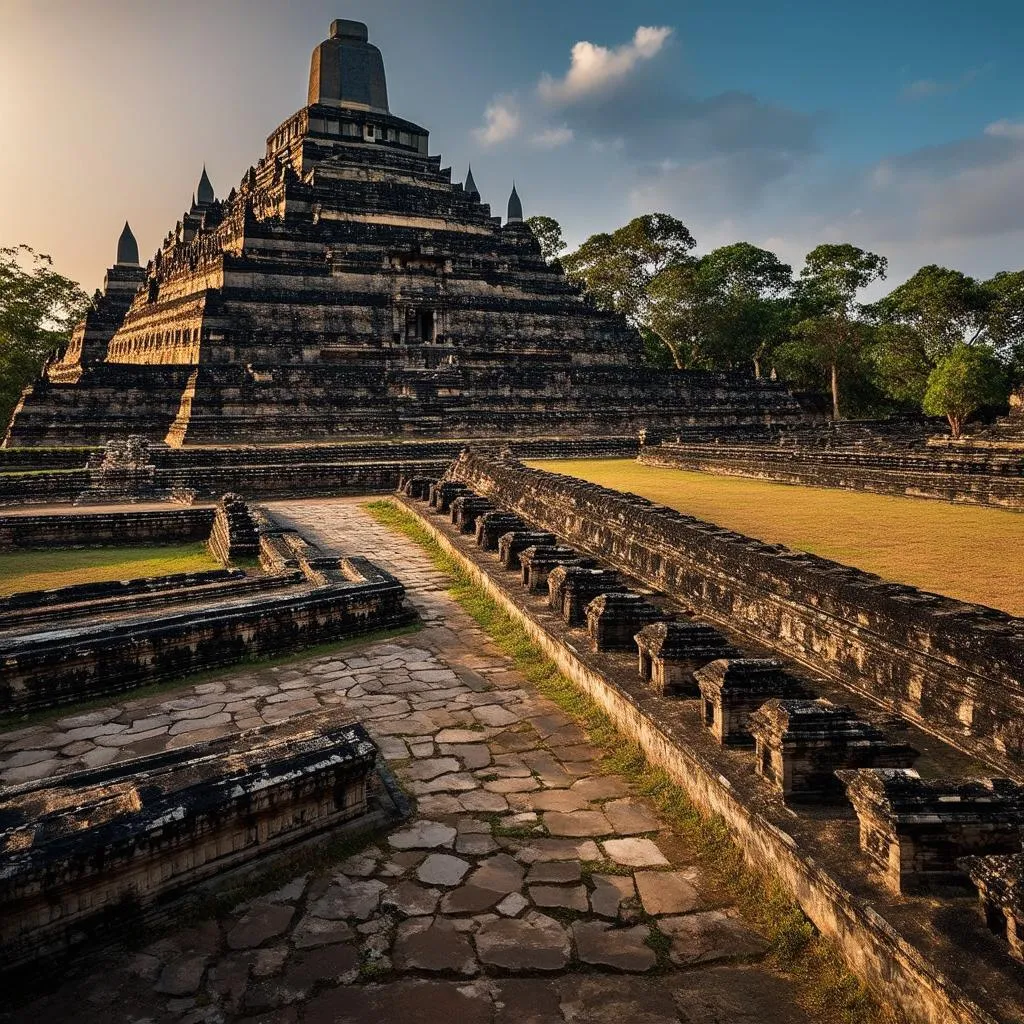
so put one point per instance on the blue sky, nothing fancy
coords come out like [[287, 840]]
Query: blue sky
[[898, 126]]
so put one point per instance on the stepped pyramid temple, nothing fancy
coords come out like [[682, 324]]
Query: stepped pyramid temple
[[349, 288]]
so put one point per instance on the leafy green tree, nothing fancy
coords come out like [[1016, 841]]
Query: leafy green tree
[[617, 268], [38, 310], [1006, 320], [548, 233], [924, 319], [745, 290], [830, 332], [965, 379]]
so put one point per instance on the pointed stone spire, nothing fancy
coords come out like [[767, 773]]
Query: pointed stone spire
[[204, 193], [470, 185], [127, 248], [193, 208], [515, 207]]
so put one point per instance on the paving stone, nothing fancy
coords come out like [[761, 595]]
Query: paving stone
[[559, 849], [609, 892], [628, 817], [460, 736], [494, 715], [473, 755], [635, 853], [268, 962], [600, 787], [555, 872], [411, 899], [24, 758], [469, 899], [535, 942], [500, 873], [567, 897], [614, 999], [258, 925], [433, 946], [475, 846], [577, 823], [473, 826], [440, 804], [183, 975], [483, 802], [666, 892], [411, 1001], [707, 936], [356, 900], [431, 767], [603, 945], [514, 903], [194, 724], [562, 800], [360, 865], [442, 869], [423, 835], [312, 932], [513, 785], [455, 782]]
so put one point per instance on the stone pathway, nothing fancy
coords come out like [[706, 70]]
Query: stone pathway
[[528, 887]]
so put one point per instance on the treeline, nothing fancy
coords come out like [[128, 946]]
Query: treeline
[[38, 309], [941, 342]]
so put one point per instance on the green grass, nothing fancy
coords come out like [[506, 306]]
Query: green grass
[[826, 988], [50, 569], [958, 550]]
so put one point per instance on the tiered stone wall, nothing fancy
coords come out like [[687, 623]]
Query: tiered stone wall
[[982, 477], [953, 668], [96, 530]]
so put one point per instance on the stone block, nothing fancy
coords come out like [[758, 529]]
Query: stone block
[[613, 620], [571, 588], [731, 689], [671, 651], [537, 563], [512, 544], [1000, 883], [465, 509], [491, 525]]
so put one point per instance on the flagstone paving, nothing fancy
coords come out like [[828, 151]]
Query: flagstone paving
[[528, 887]]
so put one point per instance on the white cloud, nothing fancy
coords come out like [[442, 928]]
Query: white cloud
[[502, 121], [593, 68], [552, 138], [1005, 129], [924, 88]]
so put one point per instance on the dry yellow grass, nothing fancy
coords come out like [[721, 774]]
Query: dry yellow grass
[[964, 551], [47, 570]]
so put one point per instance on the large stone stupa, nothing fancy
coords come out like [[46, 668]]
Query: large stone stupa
[[348, 288]]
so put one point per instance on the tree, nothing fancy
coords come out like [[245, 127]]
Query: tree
[[745, 289], [830, 332], [38, 309], [617, 268], [924, 319], [548, 233], [965, 379]]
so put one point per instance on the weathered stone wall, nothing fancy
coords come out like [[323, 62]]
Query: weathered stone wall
[[982, 478], [954, 668], [93, 851], [97, 530], [893, 959]]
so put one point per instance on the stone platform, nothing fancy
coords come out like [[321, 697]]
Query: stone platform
[[524, 888]]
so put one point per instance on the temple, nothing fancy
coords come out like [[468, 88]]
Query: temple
[[347, 287]]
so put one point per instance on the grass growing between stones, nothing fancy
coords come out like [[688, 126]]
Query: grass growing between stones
[[49, 569], [958, 550], [826, 987]]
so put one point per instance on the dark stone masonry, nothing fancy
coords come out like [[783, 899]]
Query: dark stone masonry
[[347, 286]]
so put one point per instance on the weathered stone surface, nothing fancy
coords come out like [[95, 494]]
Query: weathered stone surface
[[500, 873], [433, 946], [313, 931], [625, 949], [628, 817], [711, 935], [577, 823], [182, 976], [514, 903], [559, 849], [666, 892], [407, 1001], [258, 925], [442, 869], [566, 897], [348, 899], [635, 853], [423, 835], [535, 942], [411, 899], [554, 872], [469, 899]]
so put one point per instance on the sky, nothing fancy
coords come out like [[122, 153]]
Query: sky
[[897, 125]]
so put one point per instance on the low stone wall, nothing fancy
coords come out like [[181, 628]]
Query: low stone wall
[[93, 851], [974, 478], [371, 467], [897, 969], [97, 530], [47, 669], [955, 669]]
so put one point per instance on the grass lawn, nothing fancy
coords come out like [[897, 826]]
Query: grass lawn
[[46, 570], [965, 551]]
